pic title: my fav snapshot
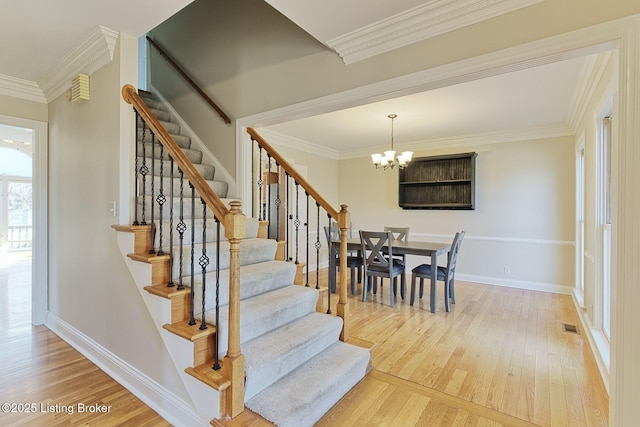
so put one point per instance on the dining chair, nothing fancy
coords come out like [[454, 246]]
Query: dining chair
[[399, 233], [379, 262], [444, 274], [354, 262]]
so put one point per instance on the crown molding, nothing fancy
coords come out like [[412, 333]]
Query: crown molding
[[19, 88], [420, 23], [590, 76], [282, 140], [471, 140], [95, 52]]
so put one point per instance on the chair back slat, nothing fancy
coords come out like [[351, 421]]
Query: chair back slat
[[398, 233], [453, 253], [373, 243]]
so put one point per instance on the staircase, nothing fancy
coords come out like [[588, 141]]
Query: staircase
[[295, 366]]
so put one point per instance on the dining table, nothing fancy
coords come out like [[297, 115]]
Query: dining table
[[423, 248]]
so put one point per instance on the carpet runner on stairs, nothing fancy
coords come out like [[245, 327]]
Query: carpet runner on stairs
[[296, 368]]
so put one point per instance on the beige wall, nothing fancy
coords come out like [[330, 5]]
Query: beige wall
[[523, 217], [91, 288], [15, 107]]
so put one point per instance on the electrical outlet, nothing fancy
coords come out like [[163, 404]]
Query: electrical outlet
[[507, 269]]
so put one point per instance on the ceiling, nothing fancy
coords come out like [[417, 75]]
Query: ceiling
[[537, 97]]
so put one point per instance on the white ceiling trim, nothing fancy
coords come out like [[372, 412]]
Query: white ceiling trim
[[282, 140], [425, 21], [19, 88], [95, 52], [590, 77], [460, 141]]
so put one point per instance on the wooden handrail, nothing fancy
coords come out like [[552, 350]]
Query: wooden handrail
[[293, 173], [189, 80], [212, 200]]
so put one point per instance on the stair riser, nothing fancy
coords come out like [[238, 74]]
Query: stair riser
[[154, 103]]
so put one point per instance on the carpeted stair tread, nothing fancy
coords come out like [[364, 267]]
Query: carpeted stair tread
[[255, 279], [195, 156], [207, 171], [301, 398], [153, 103], [219, 187], [273, 355], [183, 141], [266, 312], [161, 114], [170, 127]]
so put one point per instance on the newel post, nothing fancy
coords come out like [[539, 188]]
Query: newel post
[[235, 228], [344, 220]]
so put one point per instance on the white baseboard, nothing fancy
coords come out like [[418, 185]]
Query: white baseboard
[[518, 284], [163, 401], [598, 343]]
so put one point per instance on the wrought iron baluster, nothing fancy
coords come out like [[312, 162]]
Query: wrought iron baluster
[[144, 171], [269, 196], [318, 245], [153, 194], [181, 227], [296, 223], [192, 320], [204, 261], [216, 363], [330, 254], [136, 173], [170, 284], [307, 241], [161, 199], [261, 217], [288, 216], [278, 201]]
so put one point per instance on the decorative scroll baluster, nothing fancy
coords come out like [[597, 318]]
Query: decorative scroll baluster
[[170, 284], [296, 223], [181, 227], [153, 194], [330, 251], [268, 203], [307, 240], [161, 199], [216, 362], [261, 217], [136, 172], [204, 261], [144, 171], [278, 202], [288, 217], [192, 320], [318, 246]]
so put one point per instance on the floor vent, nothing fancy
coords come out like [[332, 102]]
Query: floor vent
[[570, 328]]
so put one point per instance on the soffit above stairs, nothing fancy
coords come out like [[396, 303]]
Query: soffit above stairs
[[359, 29]]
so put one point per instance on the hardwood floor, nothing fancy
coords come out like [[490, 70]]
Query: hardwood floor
[[500, 357], [44, 380]]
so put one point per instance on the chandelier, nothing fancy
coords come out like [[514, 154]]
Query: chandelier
[[389, 159]]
